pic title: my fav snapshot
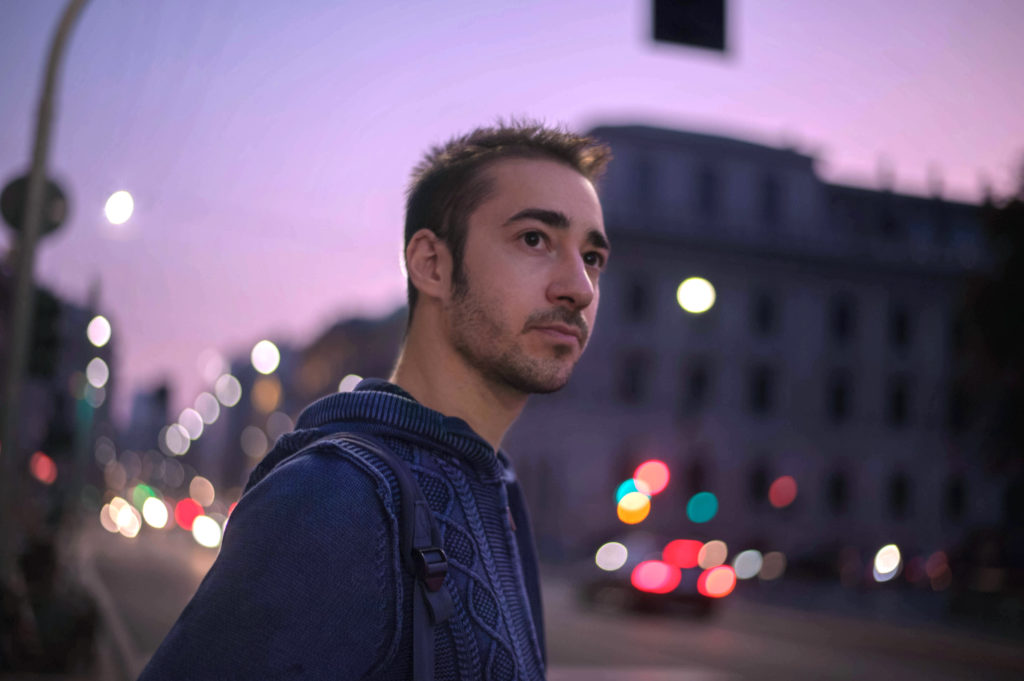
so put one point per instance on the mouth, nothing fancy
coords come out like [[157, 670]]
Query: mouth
[[561, 333]]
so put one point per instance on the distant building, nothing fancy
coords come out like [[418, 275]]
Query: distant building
[[828, 356]]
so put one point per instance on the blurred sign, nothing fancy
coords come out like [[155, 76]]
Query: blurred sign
[[15, 196], [696, 23]]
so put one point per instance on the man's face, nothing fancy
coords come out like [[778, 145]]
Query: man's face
[[533, 254]]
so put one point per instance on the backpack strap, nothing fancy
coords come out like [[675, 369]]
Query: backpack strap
[[422, 555]]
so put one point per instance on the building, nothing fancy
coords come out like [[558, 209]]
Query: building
[[829, 356]]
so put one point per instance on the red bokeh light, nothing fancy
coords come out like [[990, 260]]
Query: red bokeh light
[[656, 577], [231, 508], [185, 513], [717, 582], [682, 552], [782, 493], [654, 474], [43, 468]]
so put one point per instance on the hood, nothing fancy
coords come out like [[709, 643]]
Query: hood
[[378, 407]]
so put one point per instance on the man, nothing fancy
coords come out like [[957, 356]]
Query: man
[[504, 246]]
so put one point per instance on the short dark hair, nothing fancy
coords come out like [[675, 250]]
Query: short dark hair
[[449, 183]]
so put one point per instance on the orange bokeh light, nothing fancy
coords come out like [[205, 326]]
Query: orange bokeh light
[[717, 582]]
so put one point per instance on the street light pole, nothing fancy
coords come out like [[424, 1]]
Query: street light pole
[[24, 287]]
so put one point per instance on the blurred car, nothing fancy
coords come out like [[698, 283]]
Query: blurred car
[[652, 588]]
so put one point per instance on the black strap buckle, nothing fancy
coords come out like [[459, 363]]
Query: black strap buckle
[[431, 566]]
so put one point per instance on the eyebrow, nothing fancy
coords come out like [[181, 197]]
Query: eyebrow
[[558, 220]]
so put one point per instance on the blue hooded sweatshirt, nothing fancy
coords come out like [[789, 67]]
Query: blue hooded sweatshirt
[[309, 582]]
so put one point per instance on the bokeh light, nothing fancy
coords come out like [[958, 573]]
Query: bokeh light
[[208, 408], [201, 490], [611, 556], [206, 531], [107, 519], [176, 439], [718, 582], [128, 520], [631, 485], [265, 357], [192, 422], [95, 397], [266, 394], [228, 390], [119, 207], [349, 383], [186, 511], [254, 442], [747, 564], [938, 571], [98, 331], [696, 295], [712, 554], [682, 552], [154, 512], [702, 507], [278, 424], [634, 507], [140, 493], [773, 566], [887, 563], [43, 468], [655, 576], [211, 365], [782, 492], [97, 372], [653, 474]]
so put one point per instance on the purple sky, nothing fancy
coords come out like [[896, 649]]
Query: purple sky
[[267, 144]]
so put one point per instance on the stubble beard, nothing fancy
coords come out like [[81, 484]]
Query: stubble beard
[[494, 350]]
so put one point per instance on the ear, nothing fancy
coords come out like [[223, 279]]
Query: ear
[[428, 263]]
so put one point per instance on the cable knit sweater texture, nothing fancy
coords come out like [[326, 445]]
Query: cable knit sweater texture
[[309, 582]]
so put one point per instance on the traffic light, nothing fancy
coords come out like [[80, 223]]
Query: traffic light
[[695, 23]]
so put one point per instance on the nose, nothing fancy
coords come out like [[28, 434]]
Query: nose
[[571, 284]]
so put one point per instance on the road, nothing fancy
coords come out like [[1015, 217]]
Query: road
[[144, 583]]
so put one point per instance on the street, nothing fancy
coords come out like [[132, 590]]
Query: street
[[150, 579]]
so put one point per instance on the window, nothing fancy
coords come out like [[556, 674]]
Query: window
[[707, 192], [771, 200], [637, 301], [634, 369], [842, 319], [897, 402], [764, 315], [956, 498], [958, 409], [696, 385], [899, 327], [696, 478], [758, 485], [899, 496], [838, 493], [838, 396], [761, 389]]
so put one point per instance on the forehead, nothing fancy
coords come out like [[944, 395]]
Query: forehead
[[519, 183]]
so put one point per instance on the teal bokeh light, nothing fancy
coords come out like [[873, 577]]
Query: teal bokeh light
[[702, 507], [625, 488]]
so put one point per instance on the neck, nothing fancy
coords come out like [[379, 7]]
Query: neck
[[438, 377]]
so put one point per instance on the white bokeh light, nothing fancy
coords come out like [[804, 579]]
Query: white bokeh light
[[97, 372], [119, 207], [265, 357], [349, 383], [228, 390], [208, 407], [696, 295], [611, 556], [192, 422], [206, 531], [98, 332]]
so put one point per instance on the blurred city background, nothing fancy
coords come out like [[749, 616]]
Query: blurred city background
[[795, 445]]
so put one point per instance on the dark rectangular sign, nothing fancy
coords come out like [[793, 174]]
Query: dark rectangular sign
[[696, 23]]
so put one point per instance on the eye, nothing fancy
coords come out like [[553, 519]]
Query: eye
[[593, 259], [532, 239]]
